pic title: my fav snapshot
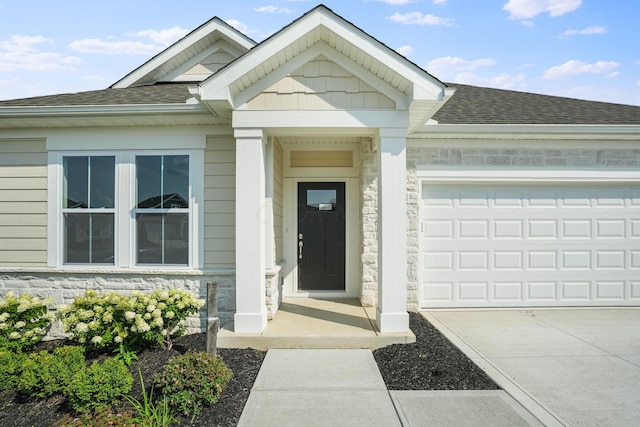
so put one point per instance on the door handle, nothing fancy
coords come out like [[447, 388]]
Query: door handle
[[300, 244]]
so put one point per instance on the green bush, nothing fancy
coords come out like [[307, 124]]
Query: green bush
[[128, 323], [44, 374], [10, 369], [100, 385], [192, 381], [24, 321]]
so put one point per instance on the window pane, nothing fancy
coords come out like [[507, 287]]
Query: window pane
[[76, 182], [76, 238], [149, 245], [88, 238], [176, 182], [176, 239], [103, 171], [163, 238], [102, 238], [149, 183], [321, 199]]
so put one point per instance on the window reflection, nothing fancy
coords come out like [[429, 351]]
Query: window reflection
[[323, 200]]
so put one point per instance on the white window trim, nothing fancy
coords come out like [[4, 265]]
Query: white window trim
[[124, 221]]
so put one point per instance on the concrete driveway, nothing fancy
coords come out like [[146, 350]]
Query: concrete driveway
[[578, 367]]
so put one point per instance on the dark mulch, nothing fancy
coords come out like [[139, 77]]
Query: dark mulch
[[431, 363]]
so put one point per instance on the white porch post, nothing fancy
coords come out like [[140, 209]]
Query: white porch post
[[392, 313], [251, 311]]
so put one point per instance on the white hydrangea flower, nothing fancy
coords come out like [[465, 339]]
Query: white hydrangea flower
[[169, 314], [151, 308], [117, 339], [14, 335], [20, 324], [82, 327], [96, 340], [129, 315]]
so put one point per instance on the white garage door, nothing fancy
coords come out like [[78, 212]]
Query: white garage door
[[529, 245]]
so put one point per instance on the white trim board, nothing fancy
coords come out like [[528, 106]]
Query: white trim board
[[528, 175]]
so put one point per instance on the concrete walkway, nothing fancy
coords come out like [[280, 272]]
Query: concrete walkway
[[321, 387], [578, 367]]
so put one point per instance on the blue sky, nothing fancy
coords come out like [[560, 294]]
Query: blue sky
[[585, 49]]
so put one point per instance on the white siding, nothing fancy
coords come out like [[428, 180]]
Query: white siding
[[219, 205], [23, 203], [320, 85]]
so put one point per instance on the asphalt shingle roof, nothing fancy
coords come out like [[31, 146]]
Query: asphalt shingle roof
[[478, 105], [469, 105], [140, 95]]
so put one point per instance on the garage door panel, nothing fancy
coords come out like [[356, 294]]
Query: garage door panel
[[536, 245]]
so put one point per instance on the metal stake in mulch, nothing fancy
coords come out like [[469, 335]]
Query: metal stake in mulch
[[213, 321]]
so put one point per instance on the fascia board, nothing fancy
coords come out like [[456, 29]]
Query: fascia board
[[328, 119], [96, 110], [180, 46], [321, 48]]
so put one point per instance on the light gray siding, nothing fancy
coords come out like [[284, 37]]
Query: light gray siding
[[219, 205], [23, 203]]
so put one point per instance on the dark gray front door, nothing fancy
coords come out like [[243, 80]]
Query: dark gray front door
[[321, 236]]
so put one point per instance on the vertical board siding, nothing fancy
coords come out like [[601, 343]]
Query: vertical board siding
[[219, 205], [23, 203]]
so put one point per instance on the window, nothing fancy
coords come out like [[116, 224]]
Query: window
[[162, 210], [127, 209], [88, 209]]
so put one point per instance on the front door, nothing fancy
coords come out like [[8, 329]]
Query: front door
[[321, 236]]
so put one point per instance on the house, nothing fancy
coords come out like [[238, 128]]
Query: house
[[319, 163]]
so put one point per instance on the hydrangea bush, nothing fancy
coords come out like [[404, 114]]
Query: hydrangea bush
[[24, 321], [129, 322]]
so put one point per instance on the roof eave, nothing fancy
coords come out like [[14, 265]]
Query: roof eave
[[528, 131]]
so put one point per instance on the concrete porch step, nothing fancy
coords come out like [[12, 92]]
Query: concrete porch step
[[316, 323]]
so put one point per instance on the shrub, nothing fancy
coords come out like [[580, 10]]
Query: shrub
[[10, 369], [99, 386], [24, 321], [101, 418], [151, 413], [192, 381], [127, 323], [44, 374]]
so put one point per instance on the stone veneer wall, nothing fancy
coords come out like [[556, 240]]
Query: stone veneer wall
[[369, 218], [64, 286], [493, 158]]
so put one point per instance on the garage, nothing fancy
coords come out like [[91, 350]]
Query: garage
[[519, 244]]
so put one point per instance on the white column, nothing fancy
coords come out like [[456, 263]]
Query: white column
[[392, 313], [251, 311], [269, 244]]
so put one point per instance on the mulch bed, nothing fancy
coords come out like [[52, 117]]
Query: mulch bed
[[431, 363]]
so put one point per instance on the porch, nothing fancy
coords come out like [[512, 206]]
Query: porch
[[316, 323]]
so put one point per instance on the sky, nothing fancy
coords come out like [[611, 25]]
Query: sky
[[585, 49]]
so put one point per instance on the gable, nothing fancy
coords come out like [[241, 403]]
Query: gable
[[320, 84], [193, 58]]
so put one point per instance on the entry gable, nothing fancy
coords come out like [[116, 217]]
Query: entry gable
[[321, 35], [193, 58], [322, 84]]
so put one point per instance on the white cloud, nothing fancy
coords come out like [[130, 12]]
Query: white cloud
[[440, 2], [238, 25], [164, 37], [405, 50], [614, 74], [585, 31], [528, 23], [20, 53], [398, 2], [273, 9], [160, 39], [419, 18], [448, 66], [526, 9], [500, 81], [573, 68], [115, 48]]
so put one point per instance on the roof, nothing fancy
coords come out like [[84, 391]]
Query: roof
[[139, 95], [469, 105], [479, 105]]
